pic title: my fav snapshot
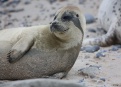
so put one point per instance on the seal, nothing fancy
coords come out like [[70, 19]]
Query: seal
[[44, 51], [41, 83], [109, 17]]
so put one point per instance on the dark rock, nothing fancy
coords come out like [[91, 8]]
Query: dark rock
[[41, 83], [14, 10], [90, 49], [103, 79], [2, 1], [13, 2], [92, 30], [95, 66], [27, 2], [89, 18]]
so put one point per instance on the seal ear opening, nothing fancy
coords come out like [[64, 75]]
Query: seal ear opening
[[77, 15]]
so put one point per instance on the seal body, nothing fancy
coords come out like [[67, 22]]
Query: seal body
[[41, 51], [109, 17]]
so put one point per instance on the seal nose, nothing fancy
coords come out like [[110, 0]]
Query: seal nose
[[55, 23]]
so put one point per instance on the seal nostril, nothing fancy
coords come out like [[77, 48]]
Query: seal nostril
[[54, 23]]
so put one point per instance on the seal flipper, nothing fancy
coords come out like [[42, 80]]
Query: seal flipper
[[19, 49], [105, 40]]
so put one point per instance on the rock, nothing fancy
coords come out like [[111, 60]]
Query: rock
[[90, 49], [103, 79], [92, 30], [41, 83], [100, 54], [90, 71], [27, 2], [89, 18], [2, 1], [115, 48], [81, 1], [13, 2], [52, 1], [10, 11]]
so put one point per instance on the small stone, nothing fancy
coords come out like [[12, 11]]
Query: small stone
[[100, 54], [89, 18], [92, 30], [90, 49], [103, 79], [52, 1], [81, 1], [13, 2]]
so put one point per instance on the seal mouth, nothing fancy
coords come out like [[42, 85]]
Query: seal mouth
[[58, 28]]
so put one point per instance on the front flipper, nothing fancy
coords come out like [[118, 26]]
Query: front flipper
[[20, 48]]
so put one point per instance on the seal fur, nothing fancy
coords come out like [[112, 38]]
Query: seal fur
[[42, 51], [109, 17]]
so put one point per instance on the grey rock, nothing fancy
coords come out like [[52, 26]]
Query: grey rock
[[90, 71], [2, 1], [81, 1], [103, 79], [52, 1], [115, 48], [90, 49], [13, 2], [27, 2], [41, 83], [89, 18], [100, 54]]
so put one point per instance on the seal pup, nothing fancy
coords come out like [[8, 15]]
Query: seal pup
[[42, 51], [109, 17]]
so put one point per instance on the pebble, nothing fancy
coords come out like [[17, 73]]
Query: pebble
[[90, 49], [81, 1], [27, 2], [103, 79], [13, 2], [92, 30], [89, 18], [100, 54]]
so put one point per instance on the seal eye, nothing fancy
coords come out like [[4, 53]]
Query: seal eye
[[77, 15], [67, 17]]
